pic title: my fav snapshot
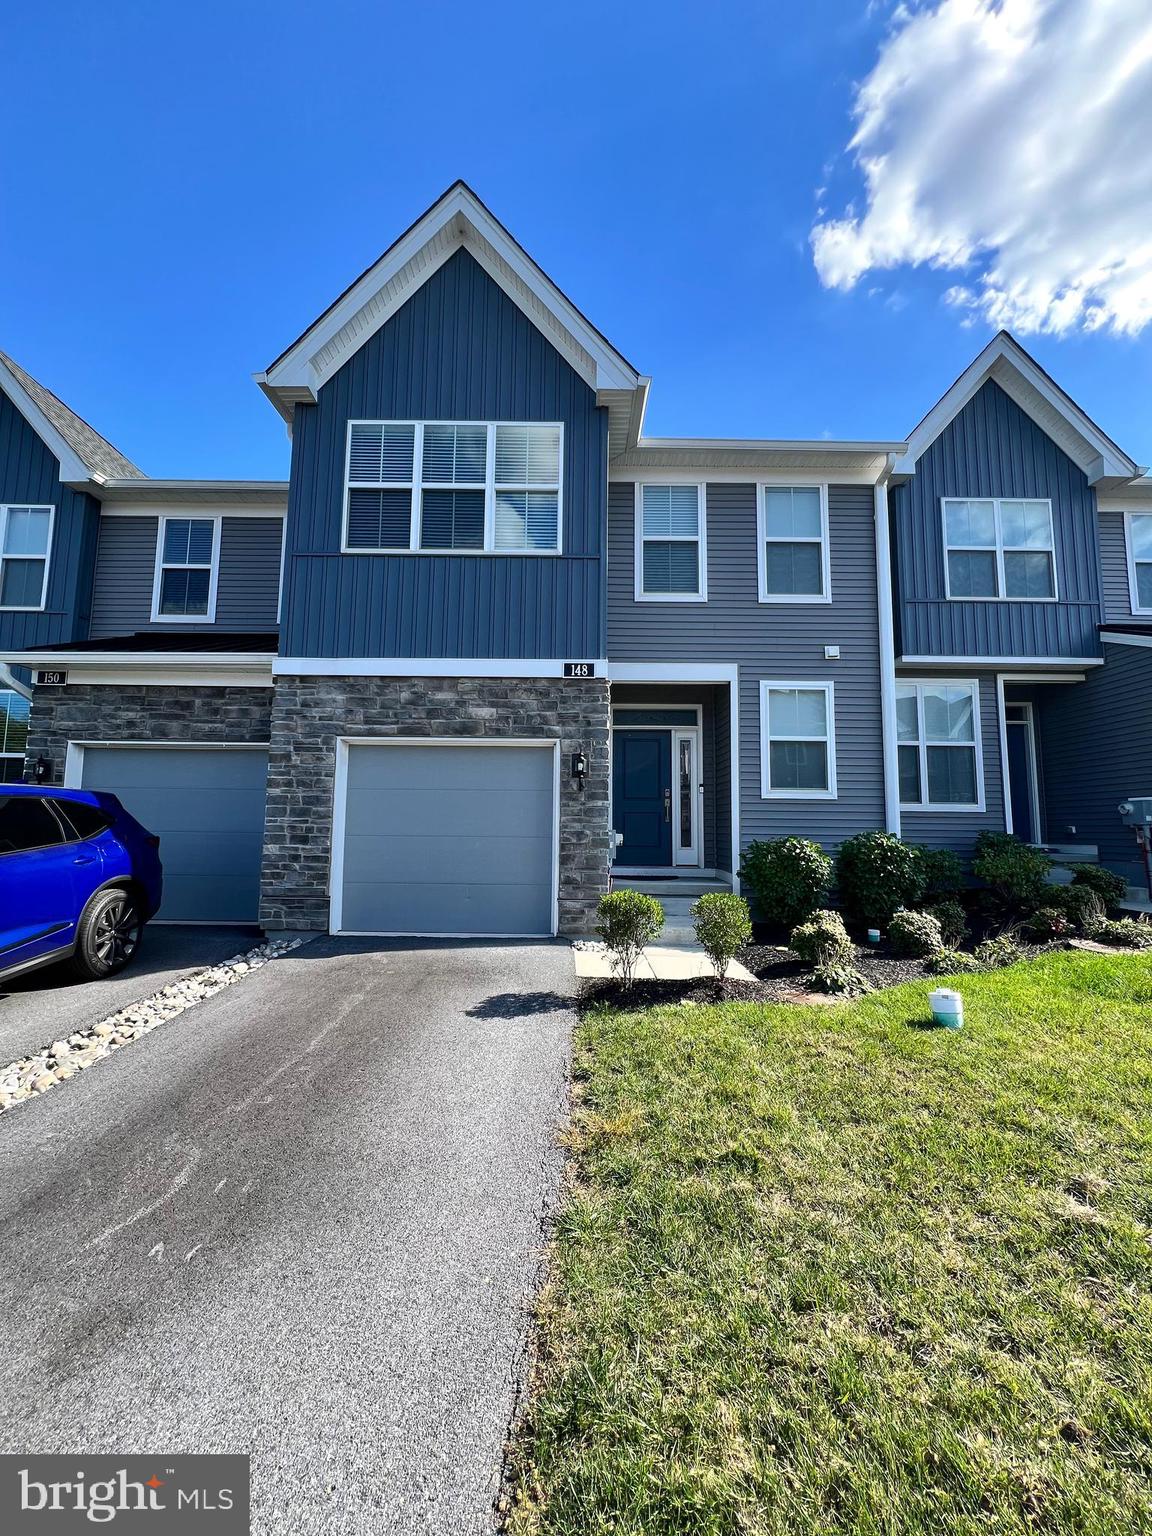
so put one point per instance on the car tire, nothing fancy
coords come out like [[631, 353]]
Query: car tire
[[107, 935]]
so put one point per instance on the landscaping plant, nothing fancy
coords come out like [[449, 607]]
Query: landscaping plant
[[627, 921], [877, 874], [823, 940], [941, 874], [722, 926], [841, 980], [1012, 870], [1002, 950], [948, 962], [953, 922], [1126, 932], [787, 878], [1049, 922], [915, 934], [1110, 887]]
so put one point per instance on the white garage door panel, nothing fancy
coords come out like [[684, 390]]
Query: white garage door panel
[[207, 808], [452, 839]]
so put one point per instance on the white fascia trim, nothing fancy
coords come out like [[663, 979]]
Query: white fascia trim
[[672, 672], [886, 609], [73, 470], [296, 370], [1000, 661], [145, 661], [203, 509], [422, 666], [1138, 640], [1103, 460]]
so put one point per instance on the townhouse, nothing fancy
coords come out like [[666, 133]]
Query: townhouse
[[492, 646]]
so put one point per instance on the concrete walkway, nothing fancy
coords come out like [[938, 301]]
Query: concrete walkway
[[659, 962]]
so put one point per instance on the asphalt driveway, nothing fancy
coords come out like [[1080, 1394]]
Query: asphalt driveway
[[302, 1221]]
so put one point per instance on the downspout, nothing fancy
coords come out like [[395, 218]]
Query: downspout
[[886, 624], [8, 679]]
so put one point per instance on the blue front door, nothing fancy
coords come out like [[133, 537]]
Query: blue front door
[[642, 797], [1019, 733]]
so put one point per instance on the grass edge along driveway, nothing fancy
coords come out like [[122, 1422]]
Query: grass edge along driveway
[[821, 1270]]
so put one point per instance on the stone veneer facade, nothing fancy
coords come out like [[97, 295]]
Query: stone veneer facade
[[309, 713]]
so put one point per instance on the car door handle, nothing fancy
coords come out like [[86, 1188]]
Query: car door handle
[[83, 858]]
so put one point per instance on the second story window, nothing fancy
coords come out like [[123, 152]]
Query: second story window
[[467, 487], [1139, 539], [187, 560], [25, 541], [999, 549], [671, 558], [793, 547]]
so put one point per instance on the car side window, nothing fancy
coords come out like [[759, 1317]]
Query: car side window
[[27, 823], [88, 820]]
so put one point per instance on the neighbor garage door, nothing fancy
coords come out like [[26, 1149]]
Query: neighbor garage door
[[453, 839], [207, 807]]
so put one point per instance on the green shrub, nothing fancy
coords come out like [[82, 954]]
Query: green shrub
[[1013, 870], [787, 879], [823, 940], [1048, 922], [722, 927], [876, 874], [1125, 932], [915, 934], [953, 922], [941, 874], [949, 962], [1110, 887], [1002, 950], [627, 921], [843, 980], [1080, 905]]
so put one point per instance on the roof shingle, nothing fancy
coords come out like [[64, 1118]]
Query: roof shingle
[[97, 452]]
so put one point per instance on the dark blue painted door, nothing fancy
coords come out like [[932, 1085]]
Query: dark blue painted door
[[1020, 780], [642, 797]]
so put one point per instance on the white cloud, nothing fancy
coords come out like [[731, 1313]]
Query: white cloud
[[1010, 142]]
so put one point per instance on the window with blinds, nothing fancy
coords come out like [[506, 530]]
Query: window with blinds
[[671, 563], [468, 487]]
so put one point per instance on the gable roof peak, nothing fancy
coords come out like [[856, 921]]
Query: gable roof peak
[[83, 453]]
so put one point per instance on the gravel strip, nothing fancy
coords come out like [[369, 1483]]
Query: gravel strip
[[56, 1063]]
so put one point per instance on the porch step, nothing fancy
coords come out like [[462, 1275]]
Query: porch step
[[1070, 853], [676, 896]]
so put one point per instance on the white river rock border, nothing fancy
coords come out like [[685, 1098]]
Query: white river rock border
[[56, 1063]]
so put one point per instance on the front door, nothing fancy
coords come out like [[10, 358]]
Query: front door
[[642, 797], [1022, 771]]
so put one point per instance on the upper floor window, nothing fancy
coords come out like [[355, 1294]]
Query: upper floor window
[[187, 564], [999, 549], [671, 558], [797, 741], [1138, 528], [469, 487], [793, 544], [938, 731], [25, 542]]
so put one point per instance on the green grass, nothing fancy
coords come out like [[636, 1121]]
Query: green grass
[[821, 1271]]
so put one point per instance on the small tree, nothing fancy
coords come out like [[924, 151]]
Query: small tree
[[722, 927], [787, 877], [627, 921]]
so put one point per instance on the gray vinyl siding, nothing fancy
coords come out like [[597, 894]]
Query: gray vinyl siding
[[960, 829], [992, 448], [458, 350], [774, 641], [1096, 749], [247, 587], [1115, 590], [30, 475]]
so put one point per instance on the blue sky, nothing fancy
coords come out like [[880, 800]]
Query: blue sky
[[184, 189]]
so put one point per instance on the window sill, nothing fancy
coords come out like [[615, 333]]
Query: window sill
[[671, 597], [944, 809], [798, 601], [517, 554], [798, 794], [950, 599]]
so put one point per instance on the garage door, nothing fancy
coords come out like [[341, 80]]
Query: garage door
[[448, 840], [207, 808]]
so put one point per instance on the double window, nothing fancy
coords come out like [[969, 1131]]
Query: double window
[[671, 552], [793, 544], [14, 712], [471, 487], [25, 546], [798, 741], [938, 731], [1138, 531], [999, 549], [187, 563]]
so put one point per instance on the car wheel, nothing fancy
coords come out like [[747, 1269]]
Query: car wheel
[[108, 934]]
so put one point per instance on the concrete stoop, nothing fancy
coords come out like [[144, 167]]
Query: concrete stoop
[[659, 962], [676, 895]]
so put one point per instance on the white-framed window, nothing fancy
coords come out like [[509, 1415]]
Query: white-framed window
[[999, 549], [14, 712], [1138, 542], [797, 741], [187, 569], [793, 547], [462, 487], [671, 543], [938, 735], [25, 552]]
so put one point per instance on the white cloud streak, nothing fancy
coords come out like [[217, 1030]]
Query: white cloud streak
[[1010, 142]]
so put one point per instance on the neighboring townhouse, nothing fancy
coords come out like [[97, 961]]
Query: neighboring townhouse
[[511, 648]]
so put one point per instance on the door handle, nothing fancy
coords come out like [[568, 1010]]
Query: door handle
[[83, 858], [667, 805]]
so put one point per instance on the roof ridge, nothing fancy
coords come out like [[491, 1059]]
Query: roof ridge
[[98, 454]]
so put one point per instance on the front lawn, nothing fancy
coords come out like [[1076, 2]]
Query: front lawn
[[824, 1270]]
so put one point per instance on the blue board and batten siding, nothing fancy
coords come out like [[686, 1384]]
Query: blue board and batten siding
[[30, 475], [992, 448], [458, 350]]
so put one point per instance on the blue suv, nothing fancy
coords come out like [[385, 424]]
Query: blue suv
[[79, 878]]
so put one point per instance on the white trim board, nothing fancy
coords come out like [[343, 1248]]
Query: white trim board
[[1000, 661], [203, 509], [1137, 640], [425, 666]]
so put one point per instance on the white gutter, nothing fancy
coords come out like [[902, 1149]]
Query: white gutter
[[885, 615], [75, 661]]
